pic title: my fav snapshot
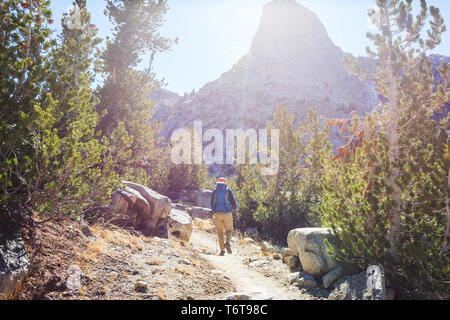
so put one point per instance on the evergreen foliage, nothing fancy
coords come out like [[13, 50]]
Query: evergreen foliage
[[290, 198], [387, 192]]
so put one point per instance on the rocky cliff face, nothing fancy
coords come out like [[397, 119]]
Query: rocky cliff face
[[292, 62], [165, 100]]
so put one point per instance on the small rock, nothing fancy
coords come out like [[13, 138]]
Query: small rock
[[248, 240], [186, 261], [331, 277], [267, 247], [141, 287], [293, 277], [217, 272], [251, 231], [307, 281], [293, 264], [238, 297], [258, 263], [73, 282], [87, 231], [253, 258], [276, 256]]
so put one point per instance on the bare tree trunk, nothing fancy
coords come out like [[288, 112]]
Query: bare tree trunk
[[447, 230], [395, 225]]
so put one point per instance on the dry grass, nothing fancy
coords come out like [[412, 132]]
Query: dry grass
[[104, 236], [195, 262], [14, 293], [184, 270], [154, 262], [93, 250], [204, 225], [161, 294], [161, 282]]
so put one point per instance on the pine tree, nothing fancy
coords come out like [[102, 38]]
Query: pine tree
[[392, 175], [24, 39], [290, 198], [124, 98], [57, 165]]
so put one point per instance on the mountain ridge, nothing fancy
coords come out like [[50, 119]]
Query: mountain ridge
[[292, 62]]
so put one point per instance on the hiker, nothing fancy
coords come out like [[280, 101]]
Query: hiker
[[223, 203]]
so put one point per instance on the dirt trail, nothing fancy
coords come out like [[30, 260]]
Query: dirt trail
[[246, 279]]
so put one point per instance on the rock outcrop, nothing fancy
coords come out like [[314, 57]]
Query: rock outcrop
[[309, 245], [201, 213], [202, 198], [141, 208], [14, 263], [180, 224], [159, 207], [357, 287], [292, 62]]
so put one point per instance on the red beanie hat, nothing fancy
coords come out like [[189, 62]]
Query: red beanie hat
[[222, 180]]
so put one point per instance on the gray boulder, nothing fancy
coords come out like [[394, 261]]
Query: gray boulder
[[14, 263], [251, 231], [128, 207], [309, 245], [201, 213], [202, 198], [160, 207], [119, 204], [140, 205], [180, 224], [332, 276], [366, 285], [306, 281]]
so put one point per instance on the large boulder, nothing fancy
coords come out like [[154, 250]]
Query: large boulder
[[128, 207], [139, 204], [202, 198], [141, 208], [309, 245], [201, 213], [14, 263], [180, 224], [160, 207], [367, 285]]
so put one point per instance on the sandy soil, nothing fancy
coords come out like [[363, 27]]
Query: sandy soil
[[250, 279], [118, 264]]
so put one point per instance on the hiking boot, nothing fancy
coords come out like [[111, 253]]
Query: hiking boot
[[228, 247], [222, 253]]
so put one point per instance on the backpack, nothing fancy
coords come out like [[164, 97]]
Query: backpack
[[222, 203]]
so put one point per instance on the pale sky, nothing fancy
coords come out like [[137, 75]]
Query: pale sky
[[214, 34]]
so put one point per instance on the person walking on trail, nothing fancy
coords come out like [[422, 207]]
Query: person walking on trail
[[223, 202]]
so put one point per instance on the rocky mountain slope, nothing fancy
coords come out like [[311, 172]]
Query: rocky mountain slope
[[292, 62]]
